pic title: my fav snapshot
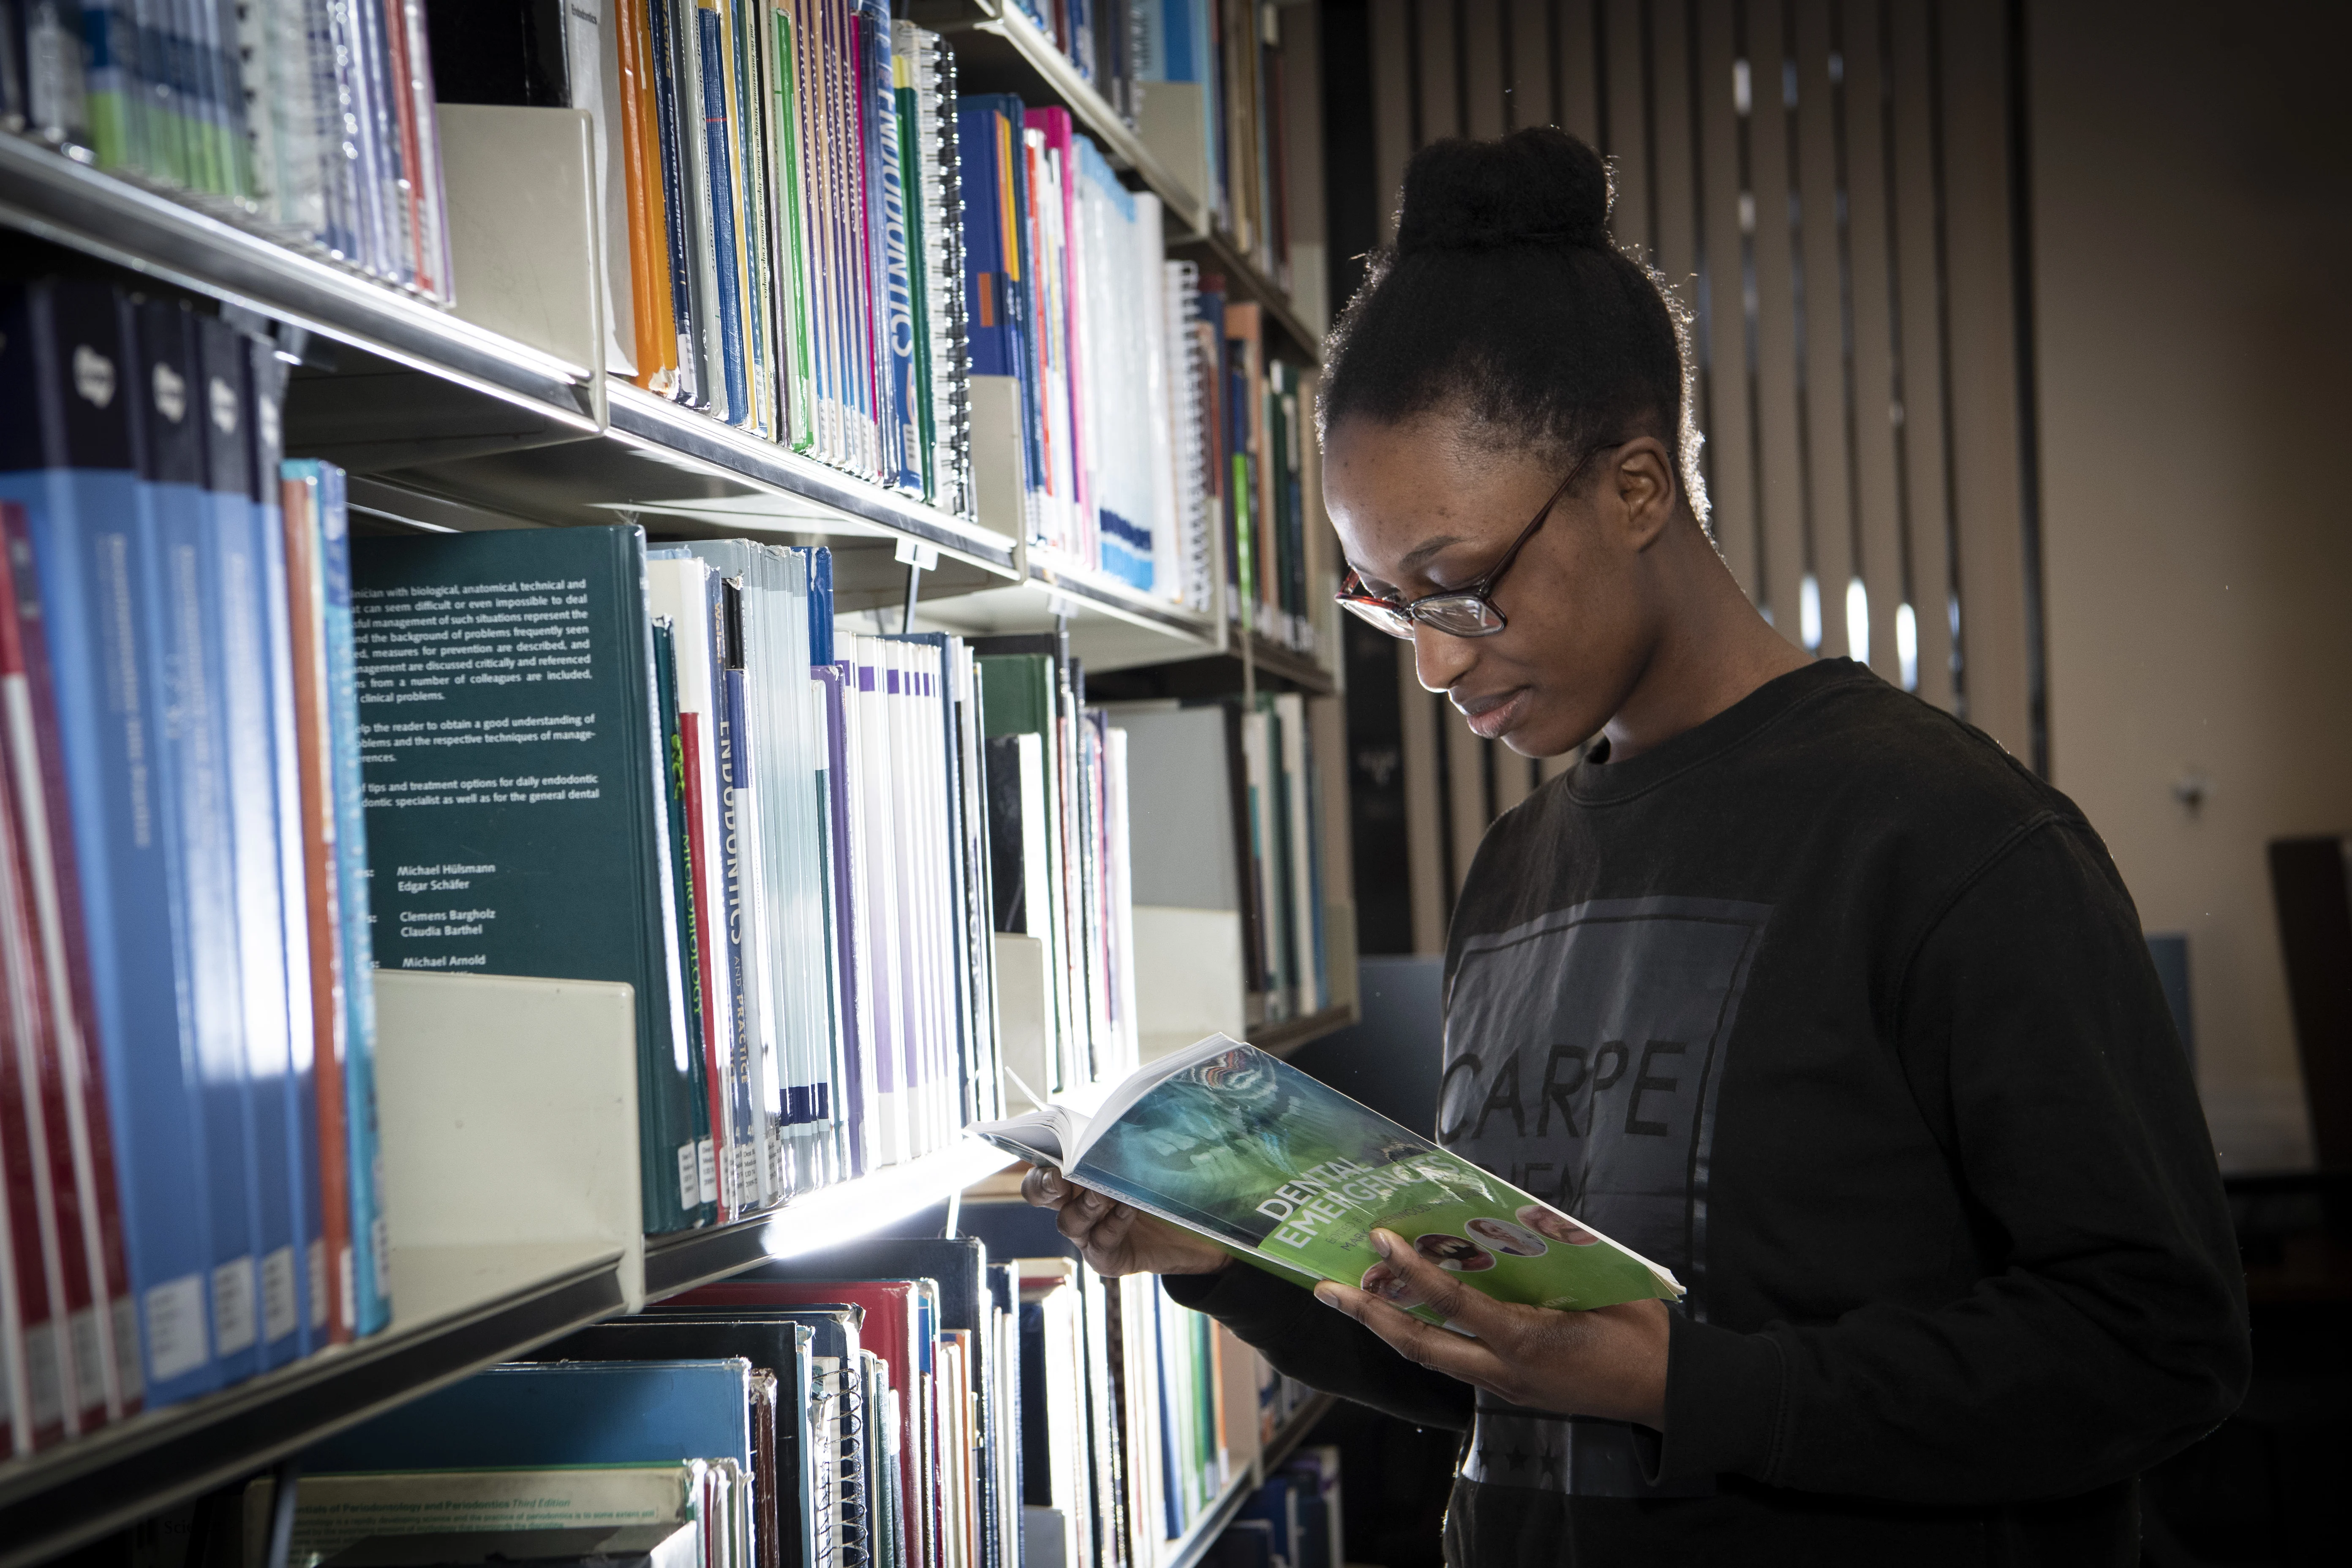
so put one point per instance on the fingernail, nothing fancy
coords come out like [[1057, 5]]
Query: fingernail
[[1385, 1242], [1052, 1183], [1328, 1294]]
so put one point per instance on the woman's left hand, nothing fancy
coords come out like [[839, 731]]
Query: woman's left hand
[[1610, 1362]]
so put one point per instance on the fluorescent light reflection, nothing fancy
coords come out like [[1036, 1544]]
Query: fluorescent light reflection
[[1907, 645], [1809, 612], [1857, 621]]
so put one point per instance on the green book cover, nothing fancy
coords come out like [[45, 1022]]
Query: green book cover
[[510, 757], [1288, 1173]]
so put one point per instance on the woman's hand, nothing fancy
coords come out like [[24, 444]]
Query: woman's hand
[[1610, 1361], [1114, 1238]]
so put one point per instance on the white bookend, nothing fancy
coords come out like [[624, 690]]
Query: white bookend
[[1189, 977], [1025, 1020], [508, 1115], [522, 226]]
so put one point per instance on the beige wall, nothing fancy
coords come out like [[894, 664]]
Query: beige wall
[[2193, 218]]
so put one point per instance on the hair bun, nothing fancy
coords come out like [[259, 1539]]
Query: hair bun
[[1540, 187]]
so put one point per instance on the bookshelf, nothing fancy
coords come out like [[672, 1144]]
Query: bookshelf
[[447, 423]]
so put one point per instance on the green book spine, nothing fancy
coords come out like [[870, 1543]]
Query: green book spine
[[1016, 693], [510, 755], [682, 905]]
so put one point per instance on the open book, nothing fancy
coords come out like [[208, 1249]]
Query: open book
[[1283, 1170]]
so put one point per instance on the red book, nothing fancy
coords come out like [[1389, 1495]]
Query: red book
[[51, 1001], [893, 1330], [706, 883], [313, 749]]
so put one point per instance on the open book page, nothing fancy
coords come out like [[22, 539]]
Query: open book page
[[1251, 1152]]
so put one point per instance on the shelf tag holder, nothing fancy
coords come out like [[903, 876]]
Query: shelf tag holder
[[917, 558]]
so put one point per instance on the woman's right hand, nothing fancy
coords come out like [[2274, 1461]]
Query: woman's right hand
[[1116, 1238]]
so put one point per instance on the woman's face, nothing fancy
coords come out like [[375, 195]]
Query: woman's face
[[1423, 507]]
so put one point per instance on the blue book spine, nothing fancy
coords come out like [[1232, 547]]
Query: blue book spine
[[68, 444], [820, 565], [888, 291], [992, 166], [234, 580], [677, 219], [536, 1415], [182, 622], [266, 381], [720, 162], [371, 1282]]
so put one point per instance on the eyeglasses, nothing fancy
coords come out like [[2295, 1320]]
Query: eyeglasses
[[1464, 611]]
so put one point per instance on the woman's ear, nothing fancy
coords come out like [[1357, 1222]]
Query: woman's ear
[[1646, 489]]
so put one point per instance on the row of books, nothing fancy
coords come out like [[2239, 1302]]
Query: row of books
[[811, 839], [1209, 99], [780, 190], [311, 118], [812, 238], [1254, 431], [1060, 868], [187, 1094], [1202, 83], [911, 1403]]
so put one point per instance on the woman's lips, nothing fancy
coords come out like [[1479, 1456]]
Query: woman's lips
[[1492, 717]]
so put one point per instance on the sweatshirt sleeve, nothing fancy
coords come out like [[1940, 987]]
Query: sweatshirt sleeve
[[1322, 1348], [2108, 1328]]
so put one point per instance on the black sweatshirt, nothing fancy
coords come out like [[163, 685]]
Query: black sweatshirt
[[1834, 1010]]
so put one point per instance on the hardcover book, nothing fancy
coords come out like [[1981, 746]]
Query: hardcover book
[[507, 707]]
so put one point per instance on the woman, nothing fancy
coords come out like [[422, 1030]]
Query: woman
[[1793, 983]]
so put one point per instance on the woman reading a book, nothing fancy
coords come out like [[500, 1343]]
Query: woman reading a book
[[1793, 983]]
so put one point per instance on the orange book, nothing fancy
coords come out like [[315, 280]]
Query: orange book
[[306, 589], [657, 327]]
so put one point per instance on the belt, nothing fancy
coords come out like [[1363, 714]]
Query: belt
[[1578, 1456]]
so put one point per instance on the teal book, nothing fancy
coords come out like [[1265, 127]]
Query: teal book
[[516, 824]]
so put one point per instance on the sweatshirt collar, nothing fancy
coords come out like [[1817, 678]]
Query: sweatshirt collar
[[1597, 782]]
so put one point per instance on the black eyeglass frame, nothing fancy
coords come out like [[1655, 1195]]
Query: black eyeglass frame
[[1396, 617]]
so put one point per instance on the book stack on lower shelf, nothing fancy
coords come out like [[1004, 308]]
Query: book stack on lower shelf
[[919, 1402]]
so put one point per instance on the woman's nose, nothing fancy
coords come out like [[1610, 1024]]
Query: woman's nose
[[1439, 659]]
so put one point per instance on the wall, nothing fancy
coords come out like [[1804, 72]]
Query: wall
[[2193, 221]]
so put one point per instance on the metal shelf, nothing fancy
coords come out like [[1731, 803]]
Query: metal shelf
[[659, 426], [998, 48], [819, 1219], [72, 1494], [47, 194]]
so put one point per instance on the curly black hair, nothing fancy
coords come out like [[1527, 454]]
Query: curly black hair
[[1504, 302]]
